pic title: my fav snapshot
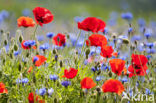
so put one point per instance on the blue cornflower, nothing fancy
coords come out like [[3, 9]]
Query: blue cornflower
[[148, 56], [141, 22], [93, 69], [35, 59], [98, 78], [16, 53], [147, 35], [127, 16], [151, 51], [124, 79], [148, 91], [53, 77], [40, 38], [105, 31], [50, 91], [150, 45], [26, 12], [50, 35], [78, 19], [130, 30], [136, 38], [42, 91], [44, 46], [18, 81], [29, 43], [66, 83], [25, 80]]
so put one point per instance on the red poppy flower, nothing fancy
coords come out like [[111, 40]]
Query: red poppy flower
[[42, 15], [38, 60], [3, 89], [114, 86], [31, 98], [59, 39], [92, 24], [25, 22], [139, 60], [30, 69], [71, 73], [106, 51], [87, 83], [138, 66], [117, 66], [96, 40]]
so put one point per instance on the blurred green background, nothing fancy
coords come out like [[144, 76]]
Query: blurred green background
[[67, 9]]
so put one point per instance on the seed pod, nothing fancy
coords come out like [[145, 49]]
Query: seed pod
[[110, 74], [61, 63], [19, 67], [87, 51], [20, 38], [2, 31], [15, 47], [54, 51], [125, 41], [55, 100], [5, 42], [68, 36]]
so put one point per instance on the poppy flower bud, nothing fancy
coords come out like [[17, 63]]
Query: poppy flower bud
[[54, 51], [20, 38], [110, 74], [61, 63], [125, 41], [114, 35], [12, 40], [2, 31], [132, 47], [55, 100], [19, 67], [5, 42], [98, 89], [27, 55], [68, 36], [15, 47]]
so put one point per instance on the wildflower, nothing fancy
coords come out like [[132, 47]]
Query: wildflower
[[141, 22], [50, 91], [31, 97], [106, 51], [127, 16], [16, 53], [44, 46], [87, 83], [147, 35], [27, 44], [25, 80], [50, 35], [26, 12], [2, 88], [30, 69], [18, 81], [38, 60], [98, 78], [42, 91], [78, 19], [66, 83], [42, 15], [138, 65], [114, 86], [34, 99], [70, 74], [59, 39], [96, 40], [117, 66], [53, 77], [92, 24], [25, 22], [40, 38]]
